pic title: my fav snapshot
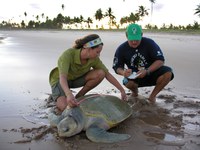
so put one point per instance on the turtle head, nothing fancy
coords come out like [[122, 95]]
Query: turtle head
[[72, 122]]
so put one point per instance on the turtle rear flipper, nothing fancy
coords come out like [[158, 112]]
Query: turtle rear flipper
[[97, 134]]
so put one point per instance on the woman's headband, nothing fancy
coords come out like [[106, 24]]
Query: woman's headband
[[93, 43]]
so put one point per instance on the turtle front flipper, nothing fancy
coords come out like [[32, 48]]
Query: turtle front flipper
[[97, 134], [53, 118]]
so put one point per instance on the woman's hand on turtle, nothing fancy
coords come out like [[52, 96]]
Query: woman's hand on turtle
[[71, 101], [123, 96]]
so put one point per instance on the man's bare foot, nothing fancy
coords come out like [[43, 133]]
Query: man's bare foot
[[132, 97], [134, 93]]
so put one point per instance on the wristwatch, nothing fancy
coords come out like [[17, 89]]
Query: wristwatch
[[148, 71]]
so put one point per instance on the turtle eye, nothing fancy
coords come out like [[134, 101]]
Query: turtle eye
[[65, 129], [70, 114]]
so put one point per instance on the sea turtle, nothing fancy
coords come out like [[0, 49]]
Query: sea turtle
[[95, 115]]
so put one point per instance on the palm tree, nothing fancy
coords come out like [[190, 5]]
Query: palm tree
[[76, 21], [81, 19], [42, 15], [23, 25], [111, 17], [197, 10], [142, 11], [88, 21], [152, 2], [133, 17], [60, 21], [99, 15], [63, 7], [37, 17], [123, 20], [25, 14]]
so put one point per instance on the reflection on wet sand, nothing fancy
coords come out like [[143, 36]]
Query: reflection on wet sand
[[26, 58]]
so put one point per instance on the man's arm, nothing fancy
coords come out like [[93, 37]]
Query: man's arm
[[155, 65]]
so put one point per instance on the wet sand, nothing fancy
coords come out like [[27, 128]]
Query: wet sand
[[26, 57]]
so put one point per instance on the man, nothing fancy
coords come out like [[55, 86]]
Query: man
[[143, 57]]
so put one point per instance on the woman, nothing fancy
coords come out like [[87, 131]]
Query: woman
[[80, 66]]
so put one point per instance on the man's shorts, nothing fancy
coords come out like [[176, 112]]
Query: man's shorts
[[151, 79], [57, 90]]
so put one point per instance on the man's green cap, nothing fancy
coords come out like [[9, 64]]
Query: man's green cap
[[134, 32]]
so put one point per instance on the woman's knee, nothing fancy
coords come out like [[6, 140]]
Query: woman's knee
[[98, 74], [61, 103]]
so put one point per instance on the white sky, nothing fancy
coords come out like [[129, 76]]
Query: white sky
[[177, 12]]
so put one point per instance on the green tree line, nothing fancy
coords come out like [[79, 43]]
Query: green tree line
[[79, 22]]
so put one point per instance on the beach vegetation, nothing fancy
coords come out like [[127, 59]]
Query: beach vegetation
[[100, 21], [152, 3], [197, 10]]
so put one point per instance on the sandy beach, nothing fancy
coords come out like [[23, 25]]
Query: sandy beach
[[26, 58]]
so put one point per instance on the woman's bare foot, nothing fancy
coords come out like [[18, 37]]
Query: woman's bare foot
[[152, 100]]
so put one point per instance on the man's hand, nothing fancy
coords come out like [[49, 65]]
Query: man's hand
[[127, 72]]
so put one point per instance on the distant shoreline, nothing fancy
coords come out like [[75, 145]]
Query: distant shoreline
[[167, 31]]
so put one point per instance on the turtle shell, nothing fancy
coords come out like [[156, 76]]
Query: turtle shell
[[110, 108]]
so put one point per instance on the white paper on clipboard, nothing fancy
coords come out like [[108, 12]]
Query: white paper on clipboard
[[134, 75]]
